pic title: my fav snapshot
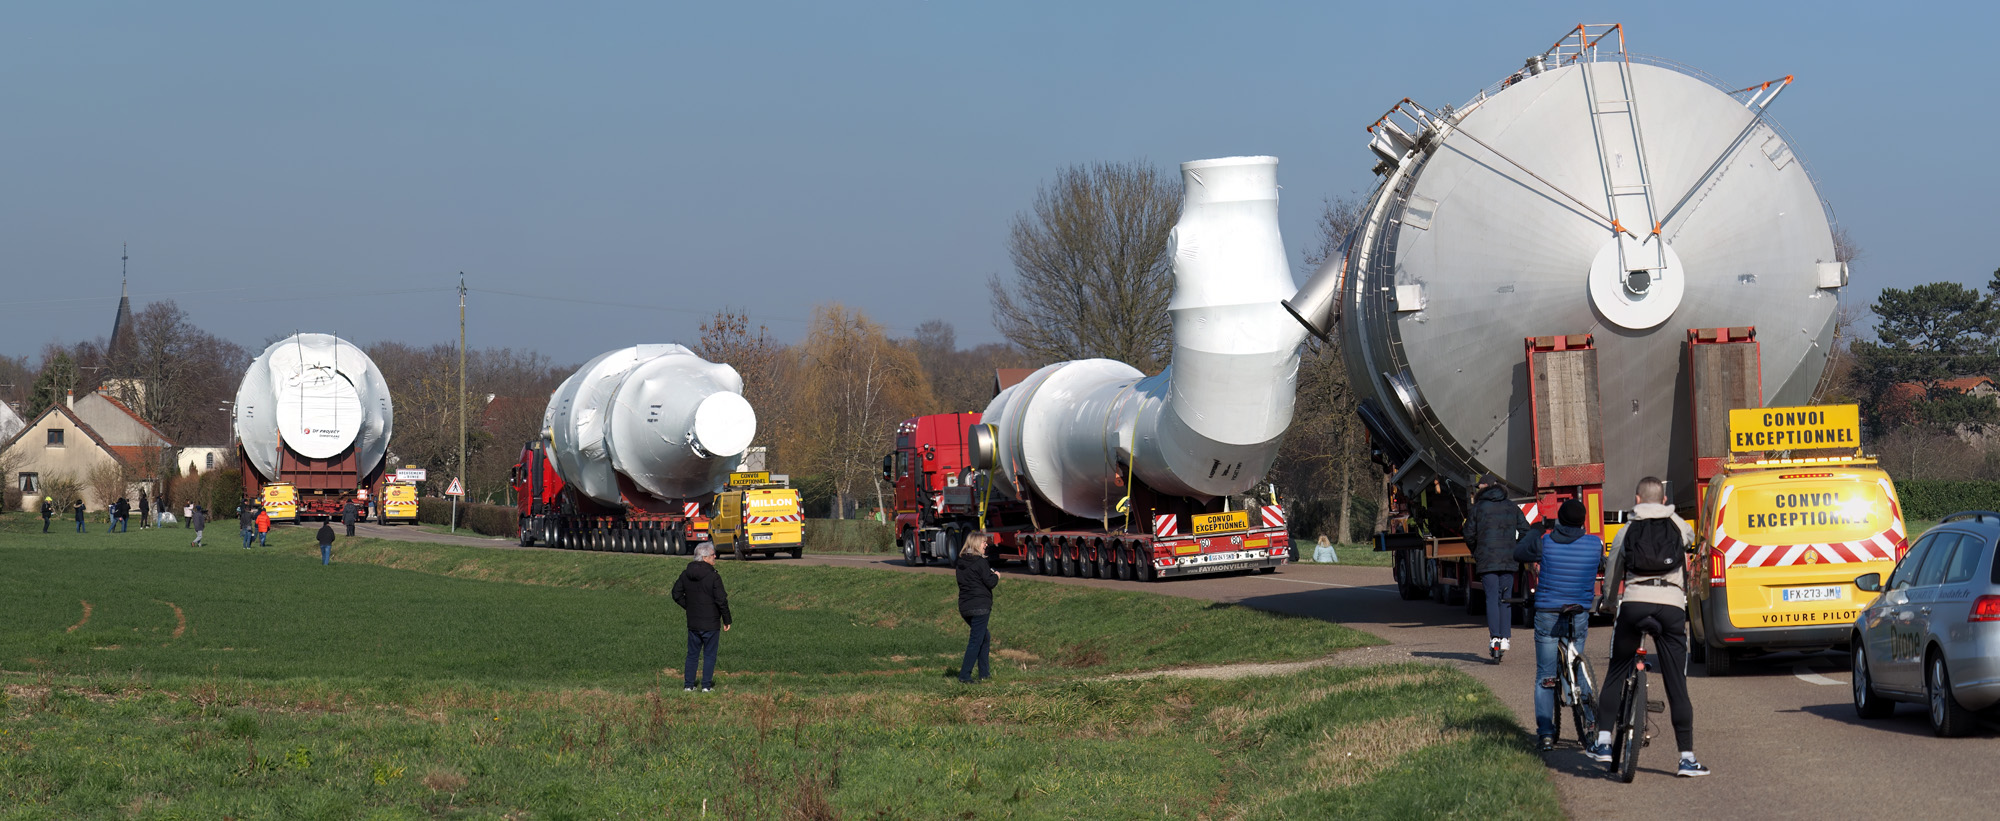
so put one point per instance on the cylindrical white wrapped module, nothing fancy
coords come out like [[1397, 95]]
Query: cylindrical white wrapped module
[[317, 395], [669, 422], [1208, 425]]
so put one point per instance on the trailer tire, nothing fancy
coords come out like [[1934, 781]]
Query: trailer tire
[[1106, 566], [1067, 562], [1125, 557], [1146, 571], [1033, 554]]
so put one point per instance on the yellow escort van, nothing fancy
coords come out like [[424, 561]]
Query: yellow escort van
[[280, 501], [758, 513], [399, 503], [1782, 541]]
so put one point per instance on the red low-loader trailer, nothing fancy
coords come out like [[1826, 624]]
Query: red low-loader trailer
[[552, 513], [324, 486], [941, 497]]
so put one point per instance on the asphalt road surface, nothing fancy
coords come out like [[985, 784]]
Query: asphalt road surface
[[1781, 736]]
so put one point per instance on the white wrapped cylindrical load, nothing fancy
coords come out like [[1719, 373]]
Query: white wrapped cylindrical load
[[317, 395], [672, 424], [1209, 424]]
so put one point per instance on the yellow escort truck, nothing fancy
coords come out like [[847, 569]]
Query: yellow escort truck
[[758, 513], [281, 502], [1782, 539], [398, 503]]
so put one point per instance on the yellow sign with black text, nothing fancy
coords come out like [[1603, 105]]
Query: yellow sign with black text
[[1216, 524], [1817, 426], [758, 477]]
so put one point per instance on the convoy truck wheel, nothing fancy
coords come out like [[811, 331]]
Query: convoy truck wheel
[[799, 551], [1147, 572], [1126, 560], [1034, 557], [1721, 662], [1072, 566], [527, 533]]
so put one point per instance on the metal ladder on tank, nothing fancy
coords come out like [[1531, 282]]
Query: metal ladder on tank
[[1614, 123]]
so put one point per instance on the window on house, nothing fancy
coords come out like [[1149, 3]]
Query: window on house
[[31, 483], [55, 437], [211, 462]]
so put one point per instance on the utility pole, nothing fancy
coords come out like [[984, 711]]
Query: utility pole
[[460, 481]]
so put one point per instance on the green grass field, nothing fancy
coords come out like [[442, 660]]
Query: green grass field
[[144, 678]]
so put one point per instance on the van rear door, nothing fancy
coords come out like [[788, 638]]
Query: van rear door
[[1793, 542]]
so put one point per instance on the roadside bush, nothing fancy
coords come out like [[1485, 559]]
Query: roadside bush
[[485, 520], [1930, 499], [222, 489], [849, 536]]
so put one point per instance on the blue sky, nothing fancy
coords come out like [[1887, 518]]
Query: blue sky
[[630, 168]]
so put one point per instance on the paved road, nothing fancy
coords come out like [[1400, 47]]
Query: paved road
[[1781, 737]]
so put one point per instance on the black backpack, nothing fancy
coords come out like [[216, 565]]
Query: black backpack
[[1654, 547]]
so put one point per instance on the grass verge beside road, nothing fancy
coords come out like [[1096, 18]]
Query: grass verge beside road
[[415, 680]]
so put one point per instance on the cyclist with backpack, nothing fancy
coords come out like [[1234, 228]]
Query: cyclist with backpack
[[1645, 583], [1569, 559]]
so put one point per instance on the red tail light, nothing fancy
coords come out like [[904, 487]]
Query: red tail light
[[1985, 608], [1718, 567]]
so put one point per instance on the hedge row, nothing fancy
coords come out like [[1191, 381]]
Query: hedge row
[[485, 520], [849, 536], [1933, 499]]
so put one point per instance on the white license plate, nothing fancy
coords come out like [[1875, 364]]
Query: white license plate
[[1812, 594], [761, 537]]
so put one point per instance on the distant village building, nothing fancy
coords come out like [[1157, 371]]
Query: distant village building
[[81, 439], [1902, 398]]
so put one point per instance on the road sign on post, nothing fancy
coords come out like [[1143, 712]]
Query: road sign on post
[[456, 490]]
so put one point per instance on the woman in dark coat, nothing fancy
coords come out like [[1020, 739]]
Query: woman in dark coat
[[975, 604]]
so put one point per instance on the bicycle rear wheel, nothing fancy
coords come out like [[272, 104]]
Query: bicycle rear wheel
[[1632, 728], [1583, 700]]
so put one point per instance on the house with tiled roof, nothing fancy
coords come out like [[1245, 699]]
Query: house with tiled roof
[[79, 439], [1901, 399]]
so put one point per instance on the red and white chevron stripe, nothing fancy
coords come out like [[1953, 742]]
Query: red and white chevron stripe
[[1887, 545], [1164, 524], [690, 509], [771, 520], [1532, 511], [1274, 516]]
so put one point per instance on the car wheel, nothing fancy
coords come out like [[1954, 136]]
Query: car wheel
[[1866, 703], [1948, 719], [1721, 662]]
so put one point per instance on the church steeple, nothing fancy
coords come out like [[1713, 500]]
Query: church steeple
[[122, 346]]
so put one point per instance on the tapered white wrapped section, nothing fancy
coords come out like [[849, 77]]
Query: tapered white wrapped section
[[671, 424], [318, 395], [1208, 425]]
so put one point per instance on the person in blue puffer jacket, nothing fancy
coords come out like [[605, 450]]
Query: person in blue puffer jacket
[[1569, 559]]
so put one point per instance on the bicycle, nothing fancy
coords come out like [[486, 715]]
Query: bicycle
[[1573, 685], [1631, 733]]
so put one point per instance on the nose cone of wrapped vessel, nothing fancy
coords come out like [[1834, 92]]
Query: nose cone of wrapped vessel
[[657, 418]]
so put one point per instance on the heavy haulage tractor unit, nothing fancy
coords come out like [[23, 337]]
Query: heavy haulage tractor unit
[[1569, 281], [1091, 468], [636, 445], [312, 419]]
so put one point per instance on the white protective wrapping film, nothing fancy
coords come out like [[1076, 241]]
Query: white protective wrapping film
[[670, 422], [1209, 424], [316, 394]]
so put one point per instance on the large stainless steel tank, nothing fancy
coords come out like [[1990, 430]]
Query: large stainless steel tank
[[317, 394], [671, 423], [1492, 223]]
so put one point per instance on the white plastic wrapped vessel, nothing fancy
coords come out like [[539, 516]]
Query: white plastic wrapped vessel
[[318, 396], [1209, 424], [656, 420]]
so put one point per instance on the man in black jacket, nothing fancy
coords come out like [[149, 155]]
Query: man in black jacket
[[975, 605], [699, 592], [1491, 531], [48, 511]]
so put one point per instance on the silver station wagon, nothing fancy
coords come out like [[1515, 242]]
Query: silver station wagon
[[1932, 635]]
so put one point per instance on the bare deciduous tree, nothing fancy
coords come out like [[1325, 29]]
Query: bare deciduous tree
[[857, 384], [1324, 450], [1092, 276]]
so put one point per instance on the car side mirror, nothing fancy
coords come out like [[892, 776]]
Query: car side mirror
[[1869, 583]]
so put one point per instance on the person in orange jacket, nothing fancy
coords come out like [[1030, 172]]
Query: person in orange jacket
[[263, 527]]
